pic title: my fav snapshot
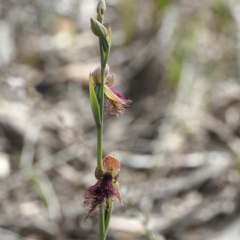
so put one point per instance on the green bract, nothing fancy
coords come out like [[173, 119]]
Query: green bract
[[94, 102], [105, 45], [109, 36]]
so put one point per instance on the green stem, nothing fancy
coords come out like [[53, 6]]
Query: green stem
[[108, 214], [104, 217], [99, 147], [103, 65], [100, 129], [102, 232]]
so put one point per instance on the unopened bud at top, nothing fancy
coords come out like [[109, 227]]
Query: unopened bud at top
[[101, 6]]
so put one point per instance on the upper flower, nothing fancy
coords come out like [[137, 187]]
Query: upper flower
[[115, 103], [106, 189]]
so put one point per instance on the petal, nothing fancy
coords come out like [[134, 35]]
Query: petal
[[111, 165], [118, 194], [106, 70], [109, 81], [96, 73], [111, 95], [99, 173]]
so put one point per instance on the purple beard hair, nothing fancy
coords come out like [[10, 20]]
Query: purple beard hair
[[99, 193], [113, 107]]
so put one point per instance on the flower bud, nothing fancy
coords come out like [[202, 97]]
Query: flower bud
[[98, 29], [102, 7]]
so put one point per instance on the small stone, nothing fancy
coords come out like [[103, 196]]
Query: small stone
[[5, 168]]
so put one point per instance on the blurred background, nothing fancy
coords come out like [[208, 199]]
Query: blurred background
[[178, 143]]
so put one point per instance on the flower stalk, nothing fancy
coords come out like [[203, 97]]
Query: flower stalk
[[102, 225], [103, 99]]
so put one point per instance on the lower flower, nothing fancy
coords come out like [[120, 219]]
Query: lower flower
[[105, 189]]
